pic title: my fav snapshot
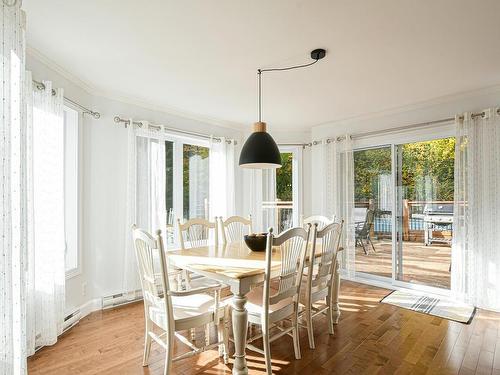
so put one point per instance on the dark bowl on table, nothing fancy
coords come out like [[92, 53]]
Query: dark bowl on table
[[256, 241]]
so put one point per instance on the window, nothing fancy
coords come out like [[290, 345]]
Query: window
[[195, 184], [284, 192], [71, 210], [281, 206], [186, 182]]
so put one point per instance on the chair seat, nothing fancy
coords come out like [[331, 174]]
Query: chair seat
[[193, 310], [277, 311]]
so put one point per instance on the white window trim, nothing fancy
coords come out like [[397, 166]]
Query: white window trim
[[74, 272]]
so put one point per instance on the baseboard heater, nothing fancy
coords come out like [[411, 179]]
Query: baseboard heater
[[71, 320], [120, 299]]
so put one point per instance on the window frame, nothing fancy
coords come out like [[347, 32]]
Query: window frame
[[78, 116]]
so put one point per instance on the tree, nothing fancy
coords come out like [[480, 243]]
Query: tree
[[284, 179], [427, 170]]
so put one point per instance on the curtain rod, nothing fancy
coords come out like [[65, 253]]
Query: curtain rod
[[303, 145], [400, 128], [140, 124], [41, 86]]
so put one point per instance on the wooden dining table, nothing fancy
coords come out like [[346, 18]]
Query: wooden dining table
[[235, 265]]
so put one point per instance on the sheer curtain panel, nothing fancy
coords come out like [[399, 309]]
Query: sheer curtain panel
[[46, 250], [221, 169], [334, 177], [13, 183], [146, 206], [475, 276]]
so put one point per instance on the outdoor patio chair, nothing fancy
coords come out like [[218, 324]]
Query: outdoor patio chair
[[363, 231]]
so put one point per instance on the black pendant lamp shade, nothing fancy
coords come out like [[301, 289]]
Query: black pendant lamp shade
[[260, 151]]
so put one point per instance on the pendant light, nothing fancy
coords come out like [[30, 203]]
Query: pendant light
[[260, 151]]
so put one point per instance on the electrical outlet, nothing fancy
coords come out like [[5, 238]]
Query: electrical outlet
[[84, 289]]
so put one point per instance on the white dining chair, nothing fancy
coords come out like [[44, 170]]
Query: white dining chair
[[320, 278], [171, 311], [278, 299], [234, 228], [197, 232], [320, 220], [193, 233]]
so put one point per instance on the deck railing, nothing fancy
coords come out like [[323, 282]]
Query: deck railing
[[412, 220], [281, 212]]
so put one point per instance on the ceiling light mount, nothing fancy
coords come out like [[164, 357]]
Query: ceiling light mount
[[260, 151], [318, 54]]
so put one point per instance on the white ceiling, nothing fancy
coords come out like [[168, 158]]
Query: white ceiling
[[200, 57]]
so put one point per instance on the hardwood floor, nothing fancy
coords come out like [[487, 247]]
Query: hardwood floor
[[371, 338], [428, 265]]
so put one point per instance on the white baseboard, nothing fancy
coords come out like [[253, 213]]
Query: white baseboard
[[91, 306]]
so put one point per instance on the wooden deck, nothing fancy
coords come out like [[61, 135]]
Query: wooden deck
[[371, 338], [422, 264]]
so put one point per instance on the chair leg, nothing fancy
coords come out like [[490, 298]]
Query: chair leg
[[193, 334], [364, 247], [147, 344], [226, 336], [295, 337], [223, 335], [329, 314], [334, 300], [168, 359], [207, 334], [220, 337], [267, 350], [310, 329], [371, 243]]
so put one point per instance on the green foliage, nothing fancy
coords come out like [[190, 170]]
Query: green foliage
[[427, 170], [169, 177], [432, 160], [368, 165], [284, 187], [189, 151]]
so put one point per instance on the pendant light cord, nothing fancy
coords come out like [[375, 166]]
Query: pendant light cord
[[259, 74]]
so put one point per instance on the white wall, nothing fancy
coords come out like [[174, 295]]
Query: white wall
[[103, 183]]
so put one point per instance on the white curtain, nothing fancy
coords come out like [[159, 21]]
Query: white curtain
[[146, 205], [13, 183], [475, 275], [221, 180], [334, 175], [253, 177], [46, 250], [269, 205]]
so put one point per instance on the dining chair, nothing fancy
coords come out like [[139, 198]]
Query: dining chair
[[234, 228], [171, 311], [320, 220], [197, 232], [193, 233], [320, 277], [278, 299]]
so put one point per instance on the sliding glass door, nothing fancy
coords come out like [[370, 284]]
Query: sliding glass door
[[425, 186], [404, 211], [373, 201]]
